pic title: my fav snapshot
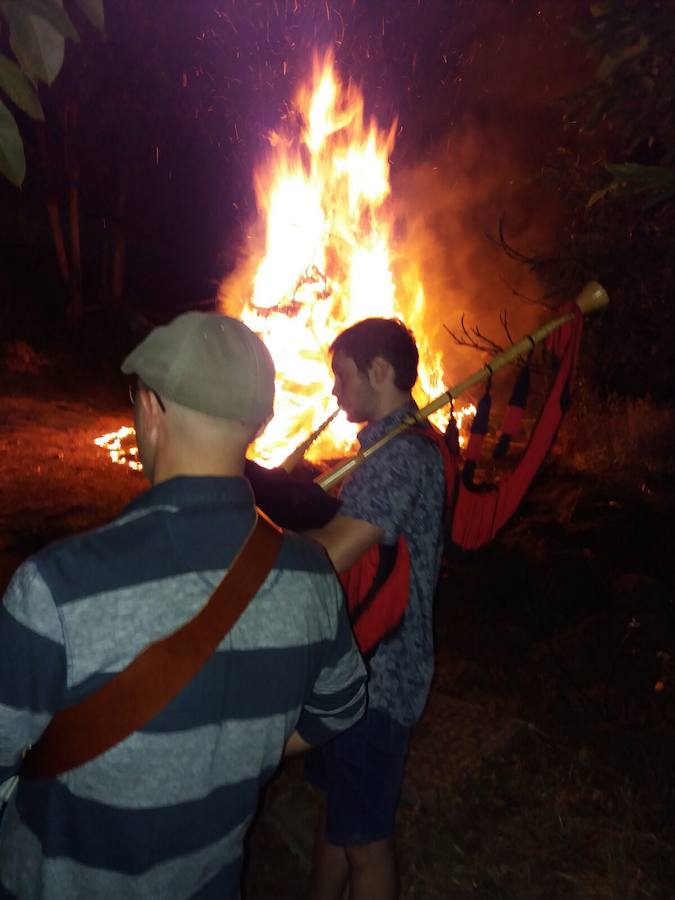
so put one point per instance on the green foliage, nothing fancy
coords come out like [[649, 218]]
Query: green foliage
[[38, 47], [632, 95], [47, 12], [38, 30], [93, 10], [630, 250], [620, 229], [12, 158], [19, 89], [646, 186]]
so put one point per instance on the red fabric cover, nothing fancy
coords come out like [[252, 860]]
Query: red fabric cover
[[475, 447], [514, 413], [376, 613], [479, 428], [374, 617], [512, 419], [478, 515], [450, 462]]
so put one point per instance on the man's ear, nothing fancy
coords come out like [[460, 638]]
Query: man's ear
[[150, 411], [380, 372]]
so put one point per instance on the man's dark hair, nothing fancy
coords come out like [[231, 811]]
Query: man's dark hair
[[388, 338]]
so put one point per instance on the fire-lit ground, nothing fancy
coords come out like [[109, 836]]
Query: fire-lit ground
[[54, 481]]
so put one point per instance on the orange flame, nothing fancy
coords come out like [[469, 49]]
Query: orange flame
[[329, 261]]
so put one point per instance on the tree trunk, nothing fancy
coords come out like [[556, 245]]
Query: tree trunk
[[52, 204], [57, 237], [104, 287], [119, 259], [75, 307]]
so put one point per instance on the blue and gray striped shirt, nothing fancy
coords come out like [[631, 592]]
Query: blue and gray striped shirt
[[164, 813]]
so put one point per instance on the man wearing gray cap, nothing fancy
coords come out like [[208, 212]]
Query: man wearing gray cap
[[161, 810]]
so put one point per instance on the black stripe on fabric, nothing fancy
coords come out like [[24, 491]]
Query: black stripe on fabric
[[521, 388], [131, 841], [386, 562], [300, 554], [122, 556], [566, 396], [7, 772], [158, 546], [502, 447], [481, 419], [23, 651], [246, 683]]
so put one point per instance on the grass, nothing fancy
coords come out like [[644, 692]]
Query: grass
[[602, 434], [539, 820]]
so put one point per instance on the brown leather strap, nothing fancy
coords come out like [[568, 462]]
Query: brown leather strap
[[151, 680]]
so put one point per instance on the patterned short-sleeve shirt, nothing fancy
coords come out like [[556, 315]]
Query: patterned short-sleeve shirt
[[401, 489]]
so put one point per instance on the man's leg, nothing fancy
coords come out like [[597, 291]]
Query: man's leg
[[370, 870], [373, 871], [355, 846], [330, 868]]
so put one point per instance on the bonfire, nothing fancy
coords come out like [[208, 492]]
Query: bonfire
[[327, 258]]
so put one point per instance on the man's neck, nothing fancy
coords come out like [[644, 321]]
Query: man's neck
[[389, 404], [197, 467]]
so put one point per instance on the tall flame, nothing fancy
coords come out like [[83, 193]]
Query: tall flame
[[329, 261]]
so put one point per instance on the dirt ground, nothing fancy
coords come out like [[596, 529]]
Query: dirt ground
[[543, 767]]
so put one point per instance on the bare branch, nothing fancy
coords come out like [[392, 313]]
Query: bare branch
[[505, 324], [528, 301], [474, 339]]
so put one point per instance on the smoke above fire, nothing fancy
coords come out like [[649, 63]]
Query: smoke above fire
[[449, 211]]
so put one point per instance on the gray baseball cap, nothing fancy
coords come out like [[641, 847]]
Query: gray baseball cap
[[210, 363]]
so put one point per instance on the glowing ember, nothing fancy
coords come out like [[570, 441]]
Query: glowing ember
[[120, 446]]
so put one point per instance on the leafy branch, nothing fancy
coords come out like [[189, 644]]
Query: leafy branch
[[38, 30], [633, 96]]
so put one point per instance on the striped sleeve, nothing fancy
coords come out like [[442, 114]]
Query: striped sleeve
[[338, 697], [32, 664]]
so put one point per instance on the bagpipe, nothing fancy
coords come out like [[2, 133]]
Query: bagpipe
[[475, 511]]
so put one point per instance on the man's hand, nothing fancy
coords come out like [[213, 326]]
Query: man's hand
[[296, 745], [346, 540]]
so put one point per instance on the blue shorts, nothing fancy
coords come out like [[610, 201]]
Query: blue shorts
[[361, 773]]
